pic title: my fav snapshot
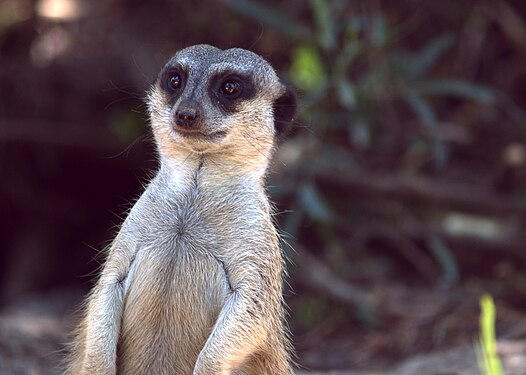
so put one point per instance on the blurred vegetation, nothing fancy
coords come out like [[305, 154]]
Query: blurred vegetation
[[357, 77], [401, 192]]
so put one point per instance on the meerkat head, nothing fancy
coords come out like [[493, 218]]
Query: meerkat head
[[206, 100]]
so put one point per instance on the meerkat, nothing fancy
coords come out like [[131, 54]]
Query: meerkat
[[192, 283]]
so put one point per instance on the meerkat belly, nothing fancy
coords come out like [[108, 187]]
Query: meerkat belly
[[163, 287]]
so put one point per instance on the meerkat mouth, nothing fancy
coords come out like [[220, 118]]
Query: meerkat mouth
[[195, 135]]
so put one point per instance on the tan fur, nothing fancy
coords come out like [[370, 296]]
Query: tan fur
[[193, 280]]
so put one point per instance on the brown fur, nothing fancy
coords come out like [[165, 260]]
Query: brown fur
[[193, 280]]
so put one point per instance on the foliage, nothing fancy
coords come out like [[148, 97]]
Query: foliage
[[323, 67], [353, 72], [488, 358]]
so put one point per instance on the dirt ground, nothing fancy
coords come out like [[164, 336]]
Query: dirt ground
[[33, 331]]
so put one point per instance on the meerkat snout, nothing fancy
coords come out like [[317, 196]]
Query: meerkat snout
[[187, 116]]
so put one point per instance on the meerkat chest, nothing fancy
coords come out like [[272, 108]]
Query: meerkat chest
[[175, 277], [185, 287], [177, 258]]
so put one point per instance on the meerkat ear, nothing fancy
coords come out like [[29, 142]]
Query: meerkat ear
[[284, 111]]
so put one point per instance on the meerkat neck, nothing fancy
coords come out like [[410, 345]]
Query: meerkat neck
[[217, 172]]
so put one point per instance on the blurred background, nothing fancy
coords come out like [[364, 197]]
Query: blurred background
[[401, 192]]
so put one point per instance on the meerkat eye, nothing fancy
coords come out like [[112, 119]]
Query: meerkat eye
[[231, 89], [174, 80]]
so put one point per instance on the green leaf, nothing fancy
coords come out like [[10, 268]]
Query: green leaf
[[489, 361], [314, 205], [420, 62], [307, 71], [347, 54], [346, 93], [422, 109], [487, 322], [293, 222], [379, 31], [354, 26], [456, 88], [324, 23], [272, 17], [426, 114], [446, 259], [360, 132]]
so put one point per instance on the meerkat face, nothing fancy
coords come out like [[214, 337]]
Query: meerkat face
[[207, 100]]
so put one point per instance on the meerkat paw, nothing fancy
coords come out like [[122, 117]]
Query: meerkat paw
[[209, 366]]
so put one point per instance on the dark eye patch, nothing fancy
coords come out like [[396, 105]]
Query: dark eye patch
[[222, 84], [172, 80]]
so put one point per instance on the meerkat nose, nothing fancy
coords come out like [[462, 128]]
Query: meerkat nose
[[187, 114]]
